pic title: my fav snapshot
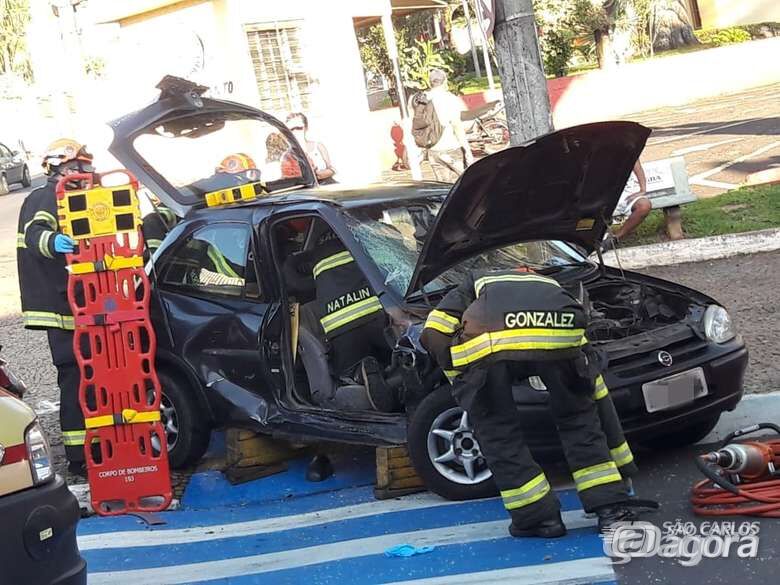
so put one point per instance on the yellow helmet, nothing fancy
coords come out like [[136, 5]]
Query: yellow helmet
[[64, 150], [236, 163]]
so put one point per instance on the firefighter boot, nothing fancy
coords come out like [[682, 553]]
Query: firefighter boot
[[552, 527], [627, 511], [380, 395]]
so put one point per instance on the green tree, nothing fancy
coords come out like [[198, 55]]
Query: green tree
[[14, 16]]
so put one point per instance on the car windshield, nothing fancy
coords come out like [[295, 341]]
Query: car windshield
[[393, 235], [202, 153]]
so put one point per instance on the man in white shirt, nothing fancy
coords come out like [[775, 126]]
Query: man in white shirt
[[451, 154]]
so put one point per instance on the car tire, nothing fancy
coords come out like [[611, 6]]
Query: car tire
[[181, 414], [26, 178], [3, 185], [447, 480], [684, 437]]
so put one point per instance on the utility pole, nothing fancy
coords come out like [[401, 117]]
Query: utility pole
[[521, 71]]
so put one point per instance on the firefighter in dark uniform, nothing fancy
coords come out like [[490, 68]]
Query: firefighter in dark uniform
[[43, 282], [502, 325], [353, 320]]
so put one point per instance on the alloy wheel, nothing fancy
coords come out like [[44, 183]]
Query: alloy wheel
[[454, 450]]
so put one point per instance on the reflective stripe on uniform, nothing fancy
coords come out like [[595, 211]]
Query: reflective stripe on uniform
[[451, 375], [480, 283], [73, 438], [601, 388], [621, 454], [527, 494], [221, 263], [43, 244], [332, 262], [47, 319], [127, 416], [515, 340], [153, 244], [46, 217], [442, 322], [350, 313], [20, 243], [596, 475]]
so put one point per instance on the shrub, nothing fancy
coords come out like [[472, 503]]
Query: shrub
[[723, 36], [556, 52], [763, 30]]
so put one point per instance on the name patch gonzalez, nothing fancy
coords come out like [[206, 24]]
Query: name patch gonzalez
[[542, 319]]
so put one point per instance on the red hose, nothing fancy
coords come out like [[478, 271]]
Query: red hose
[[753, 497]]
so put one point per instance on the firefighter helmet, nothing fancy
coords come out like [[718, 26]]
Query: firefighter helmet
[[236, 163], [64, 150]]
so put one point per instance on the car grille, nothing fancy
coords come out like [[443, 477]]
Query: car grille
[[641, 364]]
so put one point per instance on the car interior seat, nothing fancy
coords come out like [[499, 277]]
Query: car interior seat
[[324, 388]]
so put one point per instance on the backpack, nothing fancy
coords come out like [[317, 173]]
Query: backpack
[[426, 128]]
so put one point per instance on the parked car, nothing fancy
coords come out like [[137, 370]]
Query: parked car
[[38, 539], [239, 343], [13, 169]]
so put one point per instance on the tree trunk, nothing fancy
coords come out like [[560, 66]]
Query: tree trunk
[[604, 53], [673, 27]]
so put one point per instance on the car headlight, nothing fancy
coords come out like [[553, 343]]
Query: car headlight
[[718, 326], [38, 453]]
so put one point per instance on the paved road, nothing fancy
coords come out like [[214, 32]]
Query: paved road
[[722, 138], [284, 530]]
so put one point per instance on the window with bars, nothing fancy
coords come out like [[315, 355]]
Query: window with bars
[[282, 82]]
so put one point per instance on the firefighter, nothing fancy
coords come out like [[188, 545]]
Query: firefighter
[[43, 283], [501, 325], [157, 222], [353, 320]]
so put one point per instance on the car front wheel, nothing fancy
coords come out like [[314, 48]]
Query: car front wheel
[[187, 430], [445, 451]]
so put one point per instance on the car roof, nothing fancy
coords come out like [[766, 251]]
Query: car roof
[[347, 197]]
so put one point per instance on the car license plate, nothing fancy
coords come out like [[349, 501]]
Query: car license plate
[[674, 391]]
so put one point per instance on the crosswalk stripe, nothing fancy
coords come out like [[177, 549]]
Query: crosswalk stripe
[[301, 557], [131, 538], [581, 571]]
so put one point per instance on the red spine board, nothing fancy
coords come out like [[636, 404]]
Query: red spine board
[[114, 344]]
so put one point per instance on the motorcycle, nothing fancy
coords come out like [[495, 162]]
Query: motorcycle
[[486, 128]]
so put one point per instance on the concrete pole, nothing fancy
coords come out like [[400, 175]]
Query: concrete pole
[[412, 152], [521, 71], [471, 37], [485, 48]]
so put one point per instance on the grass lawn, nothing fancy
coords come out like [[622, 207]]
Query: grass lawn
[[741, 210]]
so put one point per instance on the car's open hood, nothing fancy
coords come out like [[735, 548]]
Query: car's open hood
[[561, 186], [181, 110]]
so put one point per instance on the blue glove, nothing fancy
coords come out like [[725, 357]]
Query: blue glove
[[63, 244], [407, 550]]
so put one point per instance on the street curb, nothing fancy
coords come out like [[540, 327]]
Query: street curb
[[695, 250]]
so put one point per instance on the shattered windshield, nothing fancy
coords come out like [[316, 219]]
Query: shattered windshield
[[209, 152], [393, 235]]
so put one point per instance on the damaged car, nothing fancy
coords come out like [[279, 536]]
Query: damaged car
[[239, 340]]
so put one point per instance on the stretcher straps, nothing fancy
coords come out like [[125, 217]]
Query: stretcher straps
[[127, 416], [114, 263], [113, 318]]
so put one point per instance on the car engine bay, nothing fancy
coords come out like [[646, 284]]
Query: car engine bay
[[620, 308]]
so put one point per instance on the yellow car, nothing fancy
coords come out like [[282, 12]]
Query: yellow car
[[39, 514]]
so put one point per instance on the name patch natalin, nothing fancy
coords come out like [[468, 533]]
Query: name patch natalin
[[348, 299]]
